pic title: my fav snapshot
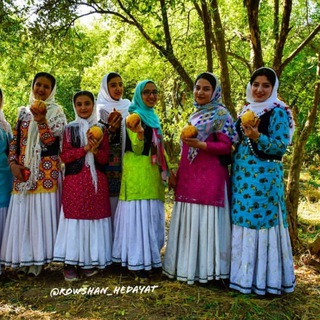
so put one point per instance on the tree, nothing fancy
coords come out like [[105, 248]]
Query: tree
[[202, 35]]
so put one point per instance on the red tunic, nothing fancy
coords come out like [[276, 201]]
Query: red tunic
[[79, 198]]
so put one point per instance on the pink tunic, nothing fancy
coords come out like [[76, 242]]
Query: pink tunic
[[203, 181], [79, 199]]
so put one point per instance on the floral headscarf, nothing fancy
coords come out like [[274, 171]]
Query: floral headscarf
[[212, 117]]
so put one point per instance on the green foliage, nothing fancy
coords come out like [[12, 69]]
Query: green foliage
[[79, 56]]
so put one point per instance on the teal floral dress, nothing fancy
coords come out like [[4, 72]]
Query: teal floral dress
[[257, 184]]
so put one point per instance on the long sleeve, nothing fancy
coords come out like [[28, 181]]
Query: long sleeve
[[277, 142], [69, 153], [222, 146]]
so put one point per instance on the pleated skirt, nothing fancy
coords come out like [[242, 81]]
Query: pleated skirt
[[261, 260], [3, 216], [198, 247], [139, 231], [30, 229], [84, 243]]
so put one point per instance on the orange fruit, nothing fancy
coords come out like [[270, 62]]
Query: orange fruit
[[113, 115], [189, 131], [39, 106], [132, 120], [96, 132], [249, 117]]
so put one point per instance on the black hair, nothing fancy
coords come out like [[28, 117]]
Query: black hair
[[1, 98], [83, 93], [268, 73], [45, 75], [112, 75], [207, 76]]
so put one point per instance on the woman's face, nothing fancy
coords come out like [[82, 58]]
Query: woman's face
[[115, 88], [202, 92], [84, 106], [261, 88], [150, 95], [42, 88]]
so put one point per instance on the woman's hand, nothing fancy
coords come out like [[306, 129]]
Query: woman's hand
[[172, 181], [17, 171], [114, 123], [251, 132], [195, 143], [38, 116], [93, 143]]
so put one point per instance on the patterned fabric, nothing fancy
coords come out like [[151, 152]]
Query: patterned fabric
[[80, 200], [257, 184], [212, 117], [113, 169], [49, 167], [105, 105]]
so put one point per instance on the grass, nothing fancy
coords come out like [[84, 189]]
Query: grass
[[100, 297]]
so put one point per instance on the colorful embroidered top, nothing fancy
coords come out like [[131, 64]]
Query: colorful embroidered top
[[257, 184], [50, 165]]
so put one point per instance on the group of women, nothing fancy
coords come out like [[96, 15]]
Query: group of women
[[107, 204]]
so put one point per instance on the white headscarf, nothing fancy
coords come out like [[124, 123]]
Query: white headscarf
[[262, 107], [56, 121], [84, 125], [105, 105]]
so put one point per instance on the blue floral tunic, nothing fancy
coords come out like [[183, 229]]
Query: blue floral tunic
[[257, 184]]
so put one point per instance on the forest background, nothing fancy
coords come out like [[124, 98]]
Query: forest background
[[171, 42]]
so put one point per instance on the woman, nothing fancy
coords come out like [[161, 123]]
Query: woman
[[34, 207], [261, 251], [198, 247], [84, 237], [139, 218], [110, 98], [5, 173]]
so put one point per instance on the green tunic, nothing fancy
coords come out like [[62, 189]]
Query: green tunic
[[141, 180]]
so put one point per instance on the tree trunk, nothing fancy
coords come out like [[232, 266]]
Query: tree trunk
[[223, 58], [280, 43], [292, 192], [315, 246], [253, 20]]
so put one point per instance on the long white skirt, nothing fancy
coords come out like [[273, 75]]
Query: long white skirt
[[139, 234], [262, 260], [30, 229], [198, 247], [3, 216], [84, 243]]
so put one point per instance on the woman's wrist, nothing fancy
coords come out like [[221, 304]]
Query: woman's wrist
[[11, 164], [257, 139]]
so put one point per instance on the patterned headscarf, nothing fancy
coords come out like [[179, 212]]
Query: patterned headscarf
[[212, 117]]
